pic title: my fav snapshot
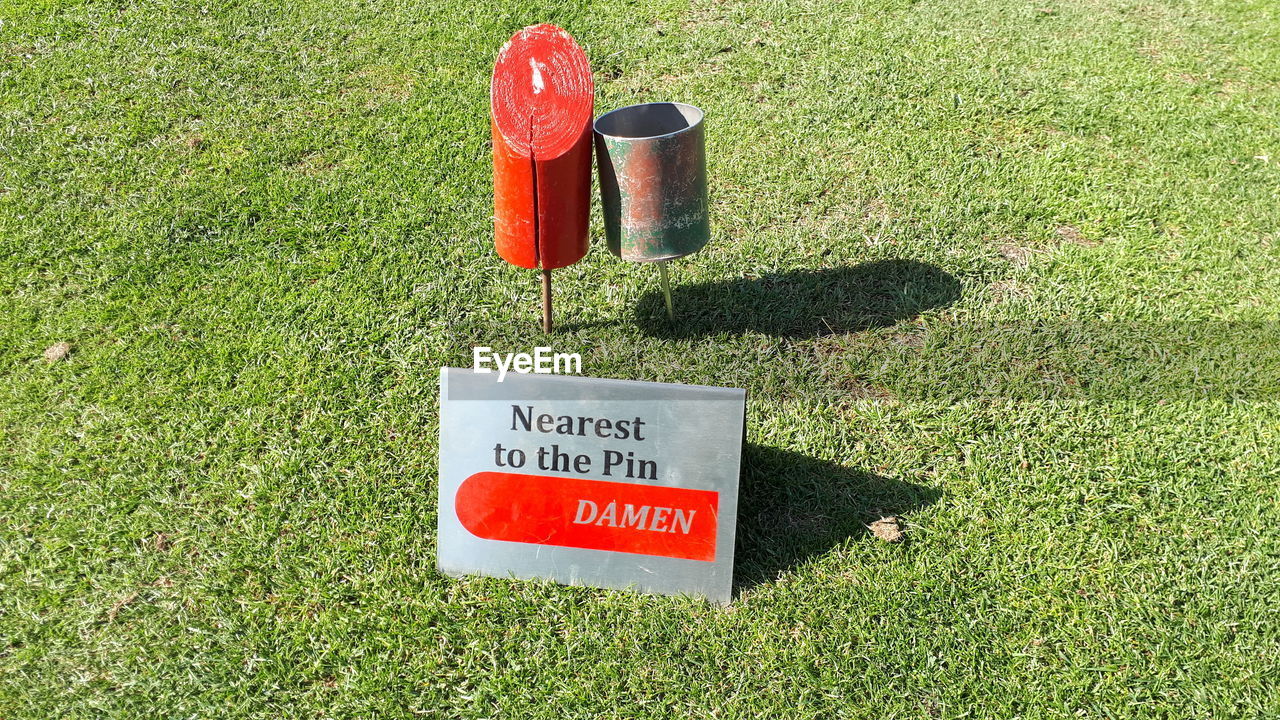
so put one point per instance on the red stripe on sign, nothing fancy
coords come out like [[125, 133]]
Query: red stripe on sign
[[592, 514]]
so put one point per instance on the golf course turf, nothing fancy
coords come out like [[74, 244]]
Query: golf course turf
[[1006, 271]]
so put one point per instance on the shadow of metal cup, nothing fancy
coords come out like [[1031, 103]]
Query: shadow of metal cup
[[653, 180]]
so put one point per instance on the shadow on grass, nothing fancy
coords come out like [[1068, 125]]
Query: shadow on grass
[[802, 303], [792, 508]]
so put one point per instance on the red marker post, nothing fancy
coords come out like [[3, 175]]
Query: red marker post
[[541, 103]]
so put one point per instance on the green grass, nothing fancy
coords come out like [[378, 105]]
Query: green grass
[[1010, 269]]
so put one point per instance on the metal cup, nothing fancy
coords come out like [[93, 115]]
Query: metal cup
[[653, 180]]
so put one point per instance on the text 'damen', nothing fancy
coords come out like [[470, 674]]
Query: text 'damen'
[[661, 519]]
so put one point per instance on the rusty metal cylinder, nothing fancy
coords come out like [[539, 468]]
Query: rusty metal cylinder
[[653, 180]]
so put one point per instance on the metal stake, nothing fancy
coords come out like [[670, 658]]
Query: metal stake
[[546, 300], [666, 288]]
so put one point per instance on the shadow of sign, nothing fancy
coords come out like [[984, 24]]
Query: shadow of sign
[[792, 508], [802, 303]]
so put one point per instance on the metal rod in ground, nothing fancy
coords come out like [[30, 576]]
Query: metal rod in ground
[[666, 288], [546, 300]]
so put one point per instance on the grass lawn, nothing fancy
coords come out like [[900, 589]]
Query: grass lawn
[[1010, 270]]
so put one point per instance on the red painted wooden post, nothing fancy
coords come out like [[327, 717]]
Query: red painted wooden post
[[541, 100]]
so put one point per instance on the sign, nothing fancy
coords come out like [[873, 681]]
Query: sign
[[585, 481]]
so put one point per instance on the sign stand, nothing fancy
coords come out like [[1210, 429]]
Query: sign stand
[[666, 288], [546, 300]]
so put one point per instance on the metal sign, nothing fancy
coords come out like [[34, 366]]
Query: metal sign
[[607, 483]]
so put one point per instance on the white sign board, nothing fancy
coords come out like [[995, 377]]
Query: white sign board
[[584, 481]]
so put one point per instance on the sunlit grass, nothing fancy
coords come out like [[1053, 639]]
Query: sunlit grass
[[1007, 270]]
